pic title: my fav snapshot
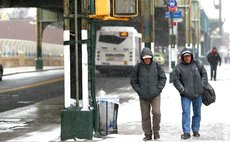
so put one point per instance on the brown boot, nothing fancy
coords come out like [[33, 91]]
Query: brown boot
[[156, 135], [147, 137]]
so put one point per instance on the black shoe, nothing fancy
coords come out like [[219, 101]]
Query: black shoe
[[156, 135], [185, 136], [196, 134], [147, 138]]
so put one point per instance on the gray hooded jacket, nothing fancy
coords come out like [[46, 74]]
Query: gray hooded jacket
[[147, 80], [189, 79]]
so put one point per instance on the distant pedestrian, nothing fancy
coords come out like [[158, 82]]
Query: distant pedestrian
[[189, 78], [213, 59], [148, 79]]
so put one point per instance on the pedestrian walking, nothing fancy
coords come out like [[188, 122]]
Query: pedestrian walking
[[189, 78], [213, 59], [148, 79]]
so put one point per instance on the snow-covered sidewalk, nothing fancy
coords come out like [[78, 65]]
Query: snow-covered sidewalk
[[215, 123]]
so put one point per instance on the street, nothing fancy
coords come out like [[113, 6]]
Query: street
[[23, 89], [26, 100]]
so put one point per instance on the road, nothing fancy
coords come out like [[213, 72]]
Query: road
[[28, 88], [28, 101]]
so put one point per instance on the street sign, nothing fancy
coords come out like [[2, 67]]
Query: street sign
[[172, 23], [172, 5], [176, 14]]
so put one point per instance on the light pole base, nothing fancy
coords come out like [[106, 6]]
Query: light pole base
[[39, 64], [76, 124]]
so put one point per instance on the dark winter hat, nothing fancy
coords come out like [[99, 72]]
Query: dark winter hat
[[186, 52], [147, 53]]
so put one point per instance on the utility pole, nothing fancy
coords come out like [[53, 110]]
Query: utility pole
[[220, 17], [66, 36], [173, 14], [219, 6], [148, 17], [195, 18], [39, 31], [188, 26]]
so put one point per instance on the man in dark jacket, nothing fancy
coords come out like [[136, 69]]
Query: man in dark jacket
[[189, 78], [148, 79], [213, 59]]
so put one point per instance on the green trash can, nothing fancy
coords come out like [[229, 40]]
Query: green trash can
[[76, 123]]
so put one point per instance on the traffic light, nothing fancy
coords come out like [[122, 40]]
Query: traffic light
[[115, 9], [125, 8], [102, 7]]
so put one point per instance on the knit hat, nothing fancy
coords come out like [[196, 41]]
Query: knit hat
[[186, 52]]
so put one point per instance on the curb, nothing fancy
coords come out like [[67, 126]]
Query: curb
[[30, 71]]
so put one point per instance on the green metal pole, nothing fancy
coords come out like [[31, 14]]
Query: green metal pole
[[93, 74], [76, 53], [147, 23], [39, 60]]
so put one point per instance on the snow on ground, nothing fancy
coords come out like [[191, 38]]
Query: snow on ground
[[215, 123]]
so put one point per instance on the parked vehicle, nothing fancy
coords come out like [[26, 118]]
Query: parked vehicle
[[1, 72]]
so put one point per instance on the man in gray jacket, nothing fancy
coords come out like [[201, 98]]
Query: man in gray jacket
[[148, 79], [189, 78]]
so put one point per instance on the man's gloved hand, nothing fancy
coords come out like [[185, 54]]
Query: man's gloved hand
[[220, 64]]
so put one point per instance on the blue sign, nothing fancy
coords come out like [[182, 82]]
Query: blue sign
[[176, 14], [171, 3]]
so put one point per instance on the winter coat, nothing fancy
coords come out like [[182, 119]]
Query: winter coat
[[189, 79], [213, 58], [147, 80]]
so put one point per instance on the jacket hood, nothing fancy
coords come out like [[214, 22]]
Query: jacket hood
[[146, 51], [186, 51]]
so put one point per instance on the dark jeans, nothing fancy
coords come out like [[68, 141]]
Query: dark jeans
[[213, 71]]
